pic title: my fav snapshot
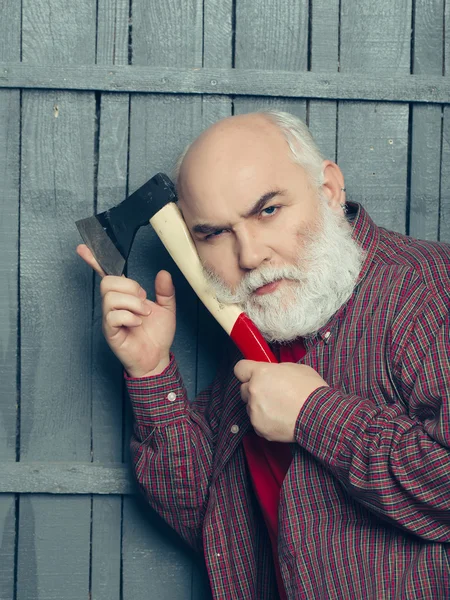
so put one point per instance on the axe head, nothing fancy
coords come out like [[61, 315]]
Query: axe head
[[110, 234]]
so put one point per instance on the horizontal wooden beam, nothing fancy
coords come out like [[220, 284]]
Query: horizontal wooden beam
[[239, 82], [66, 478]]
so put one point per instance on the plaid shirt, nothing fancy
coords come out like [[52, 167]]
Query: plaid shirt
[[365, 507]]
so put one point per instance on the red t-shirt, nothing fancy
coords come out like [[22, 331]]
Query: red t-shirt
[[268, 463]]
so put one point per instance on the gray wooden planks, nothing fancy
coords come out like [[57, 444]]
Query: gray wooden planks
[[378, 87], [444, 225], [271, 36], [322, 114], [9, 230], [107, 380], [373, 138], [426, 123], [56, 294]]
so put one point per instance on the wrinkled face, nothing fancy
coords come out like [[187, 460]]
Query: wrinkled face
[[247, 205]]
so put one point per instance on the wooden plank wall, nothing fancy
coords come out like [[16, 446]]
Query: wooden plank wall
[[65, 155]]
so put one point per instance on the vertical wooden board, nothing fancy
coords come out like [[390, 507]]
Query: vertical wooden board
[[217, 33], [425, 171], [7, 545], [56, 295], [322, 114], [272, 35], [9, 211], [373, 138], [106, 549], [107, 379], [167, 33], [9, 228], [155, 564], [56, 291], [426, 123], [54, 547], [375, 36], [58, 34], [9, 236], [373, 155], [112, 32], [444, 230]]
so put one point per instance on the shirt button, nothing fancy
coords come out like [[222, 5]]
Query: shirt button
[[234, 429], [171, 396]]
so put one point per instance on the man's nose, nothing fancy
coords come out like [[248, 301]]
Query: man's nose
[[252, 251]]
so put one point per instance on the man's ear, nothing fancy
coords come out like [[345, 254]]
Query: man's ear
[[333, 186]]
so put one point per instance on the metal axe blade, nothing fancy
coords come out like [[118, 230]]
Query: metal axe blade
[[109, 235]]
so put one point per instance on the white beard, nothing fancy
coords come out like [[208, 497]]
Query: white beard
[[321, 281]]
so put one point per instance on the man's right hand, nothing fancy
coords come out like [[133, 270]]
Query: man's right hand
[[139, 332]]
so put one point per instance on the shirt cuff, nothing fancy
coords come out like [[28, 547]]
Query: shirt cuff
[[157, 400], [327, 423]]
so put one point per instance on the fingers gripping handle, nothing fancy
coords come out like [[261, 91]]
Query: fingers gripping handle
[[170, 227]]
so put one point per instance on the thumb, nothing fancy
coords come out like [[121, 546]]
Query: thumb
[[244, 369], [165, 291]]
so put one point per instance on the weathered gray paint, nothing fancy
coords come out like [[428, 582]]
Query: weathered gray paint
[[245, 82], [426, 123], [67, 152], [9, 217], [373, 138]]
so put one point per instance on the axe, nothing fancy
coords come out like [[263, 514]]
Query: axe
[[110, 234]]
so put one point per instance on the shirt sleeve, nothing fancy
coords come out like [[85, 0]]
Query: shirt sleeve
[[172, 447], [393, 458]]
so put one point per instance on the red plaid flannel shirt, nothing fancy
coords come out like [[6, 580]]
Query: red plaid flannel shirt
[[365, 507]]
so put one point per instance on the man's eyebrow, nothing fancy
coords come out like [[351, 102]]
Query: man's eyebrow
[[208, 228]]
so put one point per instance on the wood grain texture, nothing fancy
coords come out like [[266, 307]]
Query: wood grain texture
[[56, 295], [271, 36], [444, 230], [66, 478], [107, 378], [426, 123], [9, 236], [7, 545], [9, 231], [112, 32], [373, 138], [155, 565], [167, 33], [54, 548], [322, 115], [246, 82]]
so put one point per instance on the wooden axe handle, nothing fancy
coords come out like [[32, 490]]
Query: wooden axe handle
[[171, 228]]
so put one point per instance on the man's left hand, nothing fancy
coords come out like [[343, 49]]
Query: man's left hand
[[274, 395]]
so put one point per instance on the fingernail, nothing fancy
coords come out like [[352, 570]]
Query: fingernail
[[142, 293]]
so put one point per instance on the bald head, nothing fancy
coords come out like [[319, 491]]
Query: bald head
[[231, 148]]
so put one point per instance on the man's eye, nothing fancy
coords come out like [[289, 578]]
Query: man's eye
[[214, 234], [269, 211]]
